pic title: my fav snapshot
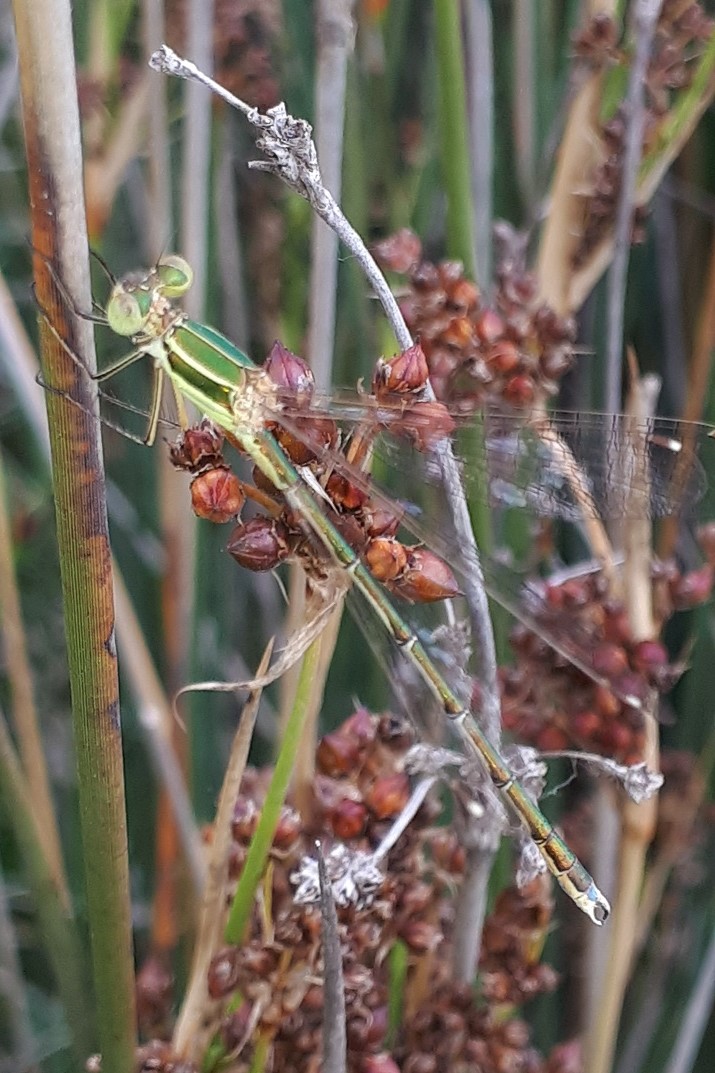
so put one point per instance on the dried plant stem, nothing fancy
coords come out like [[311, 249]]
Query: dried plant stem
[[61, 938], [637, 821], [52, 136], [336, 38], [24, 712], [334, 1033], [192, 1032], [579, 153]]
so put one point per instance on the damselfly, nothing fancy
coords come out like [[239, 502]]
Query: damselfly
[[206, 369]]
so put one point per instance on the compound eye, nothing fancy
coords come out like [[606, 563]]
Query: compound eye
[[124, 313], [175, 275]]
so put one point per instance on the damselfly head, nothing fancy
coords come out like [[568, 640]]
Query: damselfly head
[[135, 296]]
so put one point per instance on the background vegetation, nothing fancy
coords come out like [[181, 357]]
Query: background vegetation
[[423, 146]]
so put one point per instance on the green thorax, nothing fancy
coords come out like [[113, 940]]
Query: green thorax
[[205, 364]]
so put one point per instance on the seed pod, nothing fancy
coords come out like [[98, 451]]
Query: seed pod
[[337, 754], [519, 390], [609, 659], [310, 437], [388, 795], [260, 544], [198, 447], [503, 357], [693, 588], [489, 326], [426, 578], [217, 495], [290, 373], [386, 558], [404, 373], [348, 818], [379, 522], [223, 972], [344, 494], [398, 252], [464, 295]]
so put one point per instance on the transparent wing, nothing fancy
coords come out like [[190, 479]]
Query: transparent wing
[[571, 467], [564, 465]]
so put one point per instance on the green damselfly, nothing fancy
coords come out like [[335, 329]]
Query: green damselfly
[[206, 369]]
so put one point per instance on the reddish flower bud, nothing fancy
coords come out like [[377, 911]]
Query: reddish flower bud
[[458, 333], [260, 544], [447, 851], [585, 725], [217, 495], [344, 494], [348, 818], [288, 829], [223, 972], [426, 578], [552, 739], [198, 447], [693, 588], [337, 754], [503, 357], [519, 390], [609, 660], [244, 819], [403, 373], [464, 295], [398, 252], [649, 657], [290, 373], [361, 726], [154, 989], [388, 795], [386, 558], [379, 522], [489, 326]]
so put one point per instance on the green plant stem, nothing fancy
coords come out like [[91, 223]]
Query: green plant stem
[[453, 127], [58, 927], [260, 847]]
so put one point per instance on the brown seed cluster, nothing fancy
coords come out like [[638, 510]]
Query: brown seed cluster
[[271, 987], [549, 703], [682, 30], [264, 541], [513, 350]]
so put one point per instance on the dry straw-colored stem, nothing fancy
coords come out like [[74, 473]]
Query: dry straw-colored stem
[[52, 137]]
